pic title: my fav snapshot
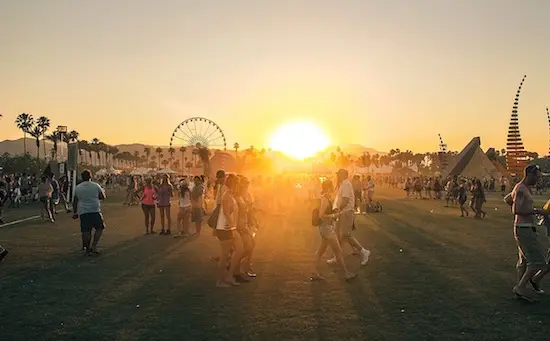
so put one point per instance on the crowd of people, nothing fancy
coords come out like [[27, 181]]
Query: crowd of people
[[237, 201]]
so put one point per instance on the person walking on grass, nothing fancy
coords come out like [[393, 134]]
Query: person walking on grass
[[328, 234], [45, 191], [197, 204], [87, 207], [462, 197], [3, 199], [164, 193], [530, 257], [148, 197], [343, 205], [184, 212]]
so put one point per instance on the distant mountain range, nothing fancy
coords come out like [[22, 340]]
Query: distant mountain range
[[15, 147]]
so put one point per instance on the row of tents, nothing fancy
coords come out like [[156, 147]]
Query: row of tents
[[138, 171], [470, 162]]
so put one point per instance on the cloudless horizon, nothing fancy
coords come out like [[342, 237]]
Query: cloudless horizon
[[383, 74]]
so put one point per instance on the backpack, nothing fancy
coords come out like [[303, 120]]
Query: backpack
[[315, 217]]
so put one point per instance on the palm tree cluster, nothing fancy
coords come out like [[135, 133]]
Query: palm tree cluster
[[38, 129], [95, 152]]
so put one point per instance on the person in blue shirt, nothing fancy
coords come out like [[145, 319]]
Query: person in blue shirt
[[87, 207]]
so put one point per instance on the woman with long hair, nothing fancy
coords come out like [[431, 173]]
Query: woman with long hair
[[226, 233], [148, 197], [328, 234], [244, 228], [184, 213], [164, 193]]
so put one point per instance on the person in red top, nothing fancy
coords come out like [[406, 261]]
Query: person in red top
[[148, 197]]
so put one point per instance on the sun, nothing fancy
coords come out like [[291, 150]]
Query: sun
[[299, 140]]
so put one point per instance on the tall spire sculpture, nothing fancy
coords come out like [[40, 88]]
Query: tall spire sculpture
[[442, 154], [516, 159], [548, 116]]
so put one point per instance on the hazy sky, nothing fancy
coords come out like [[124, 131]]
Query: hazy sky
[[387, 73]]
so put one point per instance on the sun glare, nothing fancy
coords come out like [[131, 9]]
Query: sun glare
[[299, 140]]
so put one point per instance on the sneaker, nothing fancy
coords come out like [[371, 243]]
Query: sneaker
[[3, 254], [365, 254], [524, 295], [168, 232], [162, 232], [241, 279], [536, 287], [331, 261]]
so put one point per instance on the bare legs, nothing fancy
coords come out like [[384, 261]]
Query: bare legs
[[331, 241], [47, 207], [165, 219], [149, 215]]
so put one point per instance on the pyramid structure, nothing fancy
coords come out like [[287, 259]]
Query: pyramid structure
[[472, 162]]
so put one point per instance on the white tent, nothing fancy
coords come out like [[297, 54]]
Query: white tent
[[101, 172], [472, 162], [139, 171], [166, 171]]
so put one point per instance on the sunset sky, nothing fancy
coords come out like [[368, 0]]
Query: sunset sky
[[384, 74]]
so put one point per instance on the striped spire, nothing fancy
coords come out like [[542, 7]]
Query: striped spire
[[548, 116], [442, 153], [516, 159]]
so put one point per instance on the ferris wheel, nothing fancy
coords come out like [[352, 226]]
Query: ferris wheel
[[198, 131]]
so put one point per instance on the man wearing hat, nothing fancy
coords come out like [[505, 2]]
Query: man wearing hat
[[344, 203]]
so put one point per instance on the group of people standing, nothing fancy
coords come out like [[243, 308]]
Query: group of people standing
[[158, 195]]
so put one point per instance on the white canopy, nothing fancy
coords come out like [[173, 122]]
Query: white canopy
[[139, 171], [101, 172], [166, 171]]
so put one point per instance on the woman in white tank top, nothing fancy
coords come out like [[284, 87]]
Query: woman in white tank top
[[226, 233]]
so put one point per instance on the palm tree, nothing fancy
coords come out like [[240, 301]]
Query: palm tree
[[161, 156], [183, 157], [176, 164], [72, 136], [165, 163], [136, 157], [158, 150], [204, 156], [24, 122], [83, 146], [236, 147], [189, 165], [44, 123], [96, 148], [171, 151], [37, 133], [147, 151], [54, 138], [113, 151]]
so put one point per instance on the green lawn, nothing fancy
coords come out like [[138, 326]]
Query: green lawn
[[432, 276]]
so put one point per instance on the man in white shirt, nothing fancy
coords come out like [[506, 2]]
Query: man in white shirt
[[344, 205], [87, 206]]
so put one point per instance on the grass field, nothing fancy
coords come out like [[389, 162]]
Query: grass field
[[431, 276]]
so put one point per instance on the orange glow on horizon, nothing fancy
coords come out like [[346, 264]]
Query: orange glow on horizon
[[299, 139]]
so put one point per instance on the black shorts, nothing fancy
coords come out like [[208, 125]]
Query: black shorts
[[148, 208], [224, 235], [45, 200], [197, 214], [89, 221]]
